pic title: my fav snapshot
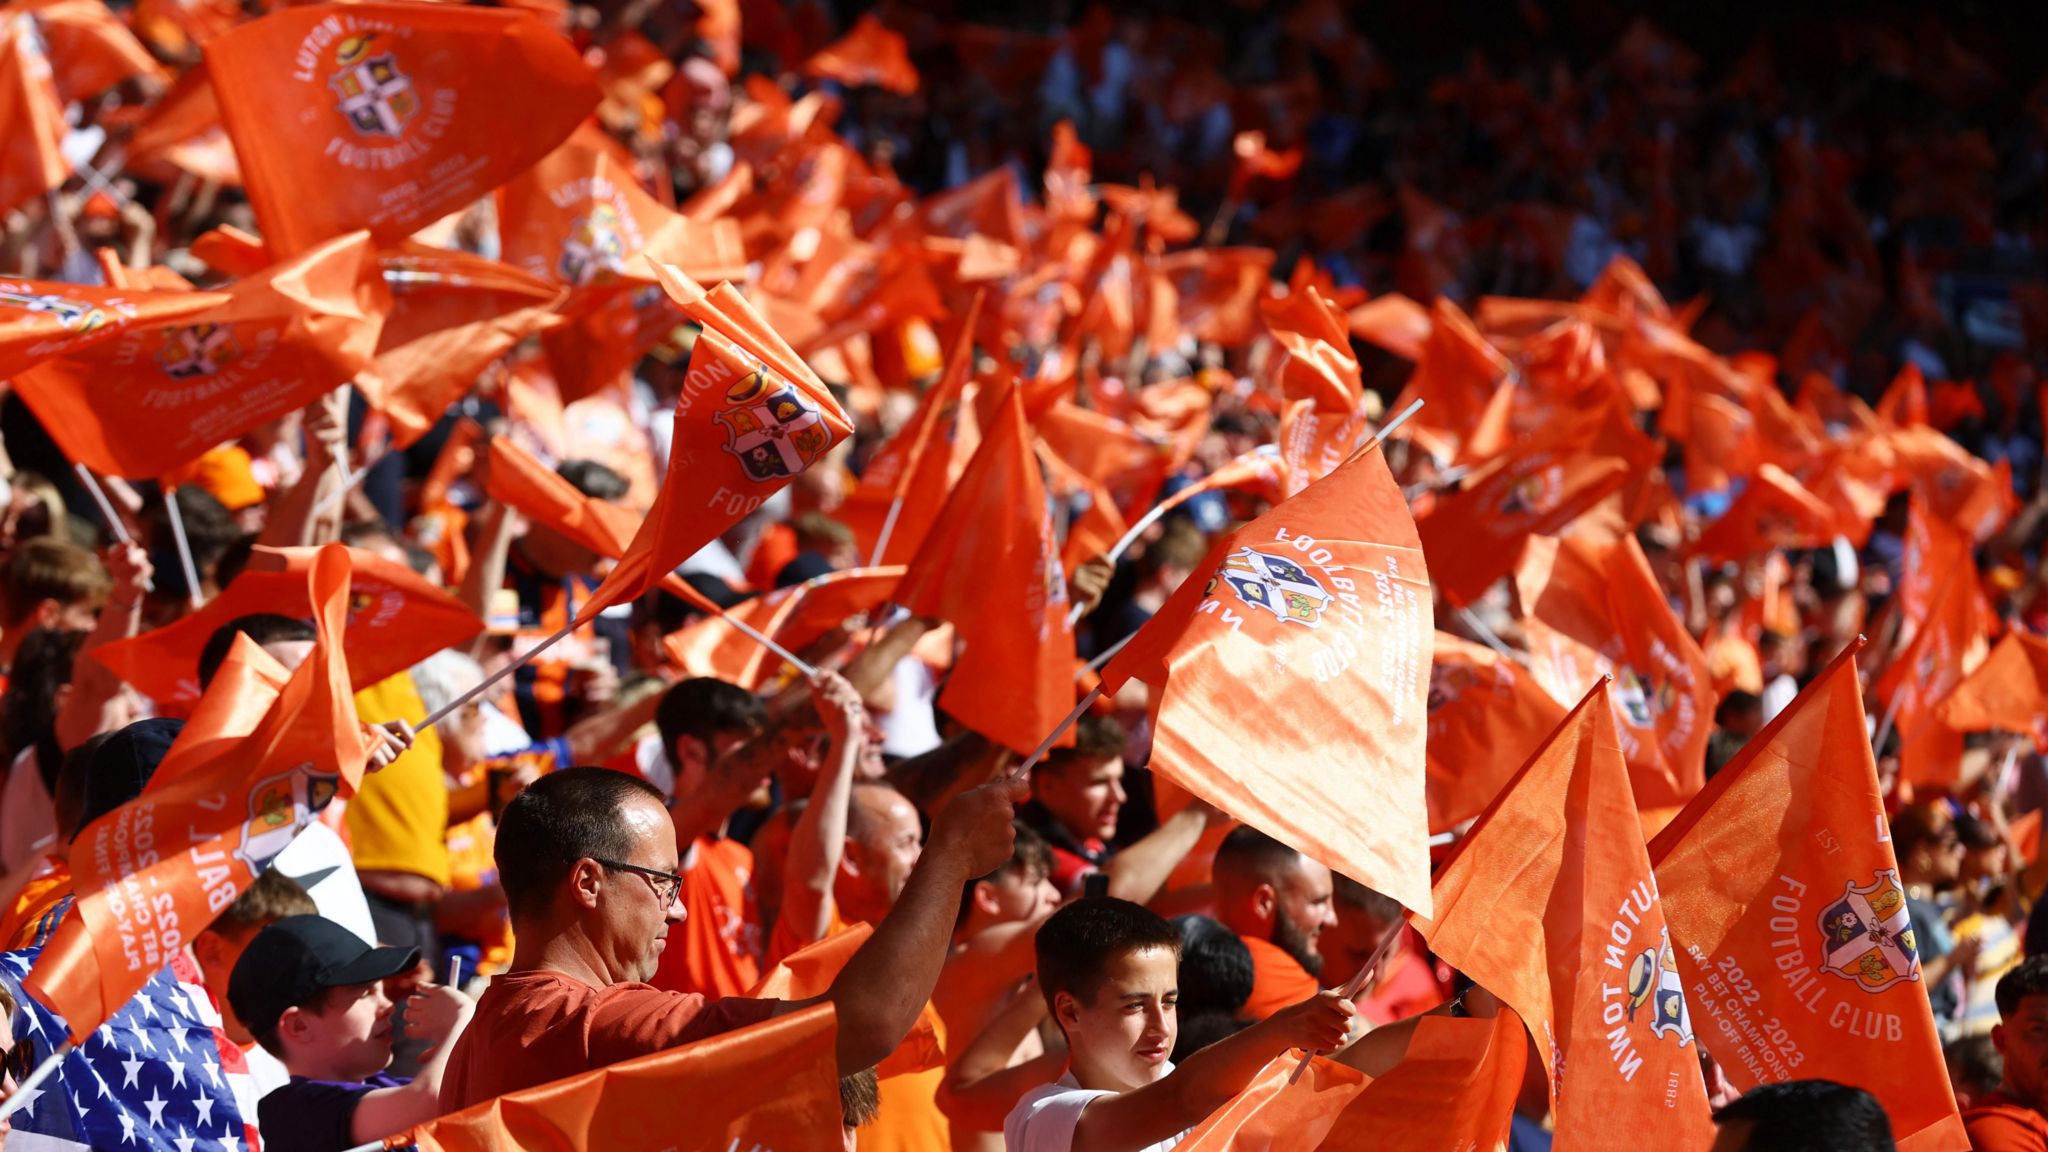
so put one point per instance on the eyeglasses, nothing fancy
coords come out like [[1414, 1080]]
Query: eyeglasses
[[668, 886]]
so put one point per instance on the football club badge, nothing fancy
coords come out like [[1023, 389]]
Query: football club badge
[[1867, 935], [279, 807], [196, 350], [1641, 698], [1277, 584], [1653, 982], [376, 97], [773, 430], [1447, 682], [593, 247], [72, 315]]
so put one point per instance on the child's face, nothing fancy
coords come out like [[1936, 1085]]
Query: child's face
[[353, 1033]]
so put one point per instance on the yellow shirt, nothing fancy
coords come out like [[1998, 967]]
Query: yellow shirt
[[399, 820]]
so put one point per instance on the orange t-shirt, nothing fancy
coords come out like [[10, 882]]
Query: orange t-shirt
[[38, 907], [1277, 980], [719, 950], [2000, 1123], [533, 1027], [909, 1119]]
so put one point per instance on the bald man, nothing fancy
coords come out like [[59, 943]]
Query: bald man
[[1278, 902]]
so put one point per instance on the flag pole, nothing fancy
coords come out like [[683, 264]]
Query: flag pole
[[752, 633], [1357, 985], [1107, 655], [1062, 726], [99, 496], [23, 1092], [348, 482], [177, 519], [1485, 633], [448, 709]]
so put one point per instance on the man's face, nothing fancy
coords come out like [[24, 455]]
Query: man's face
[[1122, 1036], [1022, 894], [2022, 1040], [696, 764], [1303, 906], [1085, 796], [633, 919], [887, 849], [351, 1031]]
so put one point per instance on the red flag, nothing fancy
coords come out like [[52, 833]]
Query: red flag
[[1484, 710], [870, 54], [1595, 610], [2008, 691], [395, 619], [1475, 535], [156, 871], [1549, 904], [1773, 512], [151, 400], [794, 617], [398, 113], [1014, 678], [41, 319], [1790, 923], [32, 125], [1320, 610]]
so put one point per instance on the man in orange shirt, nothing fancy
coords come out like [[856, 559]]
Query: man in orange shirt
[[1278, 902], [1407, 985], [2010, 1119]]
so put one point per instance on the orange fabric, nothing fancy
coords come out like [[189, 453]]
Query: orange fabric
[[1456, 373], [1774, 512], [1129, 463], [1014, 679], [42, 319], [1278, 980], [2009, 691], [909, 1119], [1945, 642], [182, 133], [150, 401], [1315, 360], [1549, 904], [31, 916], [1313, 442], [795, 617], [2002, 1124], [1321, 610], [785, 944], [471, 866], [395, 619], [1904, 402], [225, 473], [1474, 536], [31, 119], [142, 894], [1590, 610], [765, 1086], [716, 950], [869, 54], [1785, 908], [1485, 715], [1256, 161], [1733, 664], [90, 49], [1393, 322], [484, 94]]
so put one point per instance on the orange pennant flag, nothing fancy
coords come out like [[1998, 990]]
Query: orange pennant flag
[[2008, 692], [155, 872], [1255, 161], [516, 480], [1014, 678], [43, 319], [150, 401], [1313, 442], [750, 418], [182, 133], [1789, 918], [243, 690], [1393, 322], [1475, 536], [452, 315], [869, 55], [399, 114], [1773, 512], [32, 127], [1456, 374], [1321, 608], [1315, 360], [1273, 1113], [772, 1085], [90, 49], [1484, 709], [794, 617], [1549, 904], [1128, 461], [1595, 610], [395, 617], [1904, 403]]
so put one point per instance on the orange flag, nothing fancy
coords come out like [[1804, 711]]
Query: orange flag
[[1320, 609], [90, 49], [1475, 536], [1790, 924], [870, 54], [452, 315], [1255, 161], [518, 481], [1941, 654], [1774, 511], [1456, 373], [398, 113], [1593, 610], [395, 619], [41, 319], [182, 133], [32, 125], [1484, 709], [795, 617], [1549, 904], [155, 872], [773, 1085], [1014, 679], [2008, 692], [1904, 403], [769, 418], [1394, 322], [1315, 360], [1128, 461], [151, 400]]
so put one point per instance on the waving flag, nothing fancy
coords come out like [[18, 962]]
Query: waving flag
[[399, 114], [1773, 512], [1592, 610], [795, 617], [2008, 692], [32, 128], [154, 872], [1485, 714], [1292, 679], [151, 400], [1549, 904], [41, 319], [1789, 919], [1315, 360], [870, 54], [1476, 535]]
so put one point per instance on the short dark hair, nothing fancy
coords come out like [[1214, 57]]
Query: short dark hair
[[1249, 853], [1917, 824], [1077, 942], [260, 627], [703, 707], [2029, 978], [560, 819], [593, 479], [1095, 737], [270, 897], [1974, 1064], [1810, 1116], [1377, 905], [1215, 967], [860, 1098], [1029, 854], [319, 1003]]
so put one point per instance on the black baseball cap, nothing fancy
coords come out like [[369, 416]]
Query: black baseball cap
[[295, 959]]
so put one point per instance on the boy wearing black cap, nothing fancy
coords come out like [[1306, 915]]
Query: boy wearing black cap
[[313, 995]]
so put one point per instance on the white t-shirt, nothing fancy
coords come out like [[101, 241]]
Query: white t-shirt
[[1045, 1119]]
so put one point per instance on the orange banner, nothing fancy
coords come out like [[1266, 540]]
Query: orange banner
[[794, 617], [1485, 715], [42, 319]]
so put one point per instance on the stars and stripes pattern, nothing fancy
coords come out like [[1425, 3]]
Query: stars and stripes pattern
[[160, 1076]]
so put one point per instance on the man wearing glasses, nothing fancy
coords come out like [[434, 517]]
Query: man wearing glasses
[[588, 859]]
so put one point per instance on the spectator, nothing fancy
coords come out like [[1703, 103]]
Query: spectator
[[2010, 1119], [1279, 902], [1215, 981], [1803, 1116], [1930, 861]]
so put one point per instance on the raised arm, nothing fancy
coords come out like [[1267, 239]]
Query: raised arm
[[819, 838], [97, 701], [981, 1086]]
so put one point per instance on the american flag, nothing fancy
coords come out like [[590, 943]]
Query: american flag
[[160, 1076]]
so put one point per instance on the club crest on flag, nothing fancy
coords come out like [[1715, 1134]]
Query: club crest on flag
[[593, 247], [75, 315], [1867, 935], [376, 97], [1639, 698], [279, 807], [1537, 492], [1447, 682], [773, 430], [1274, 583], [1653, 981], [197, 350]]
